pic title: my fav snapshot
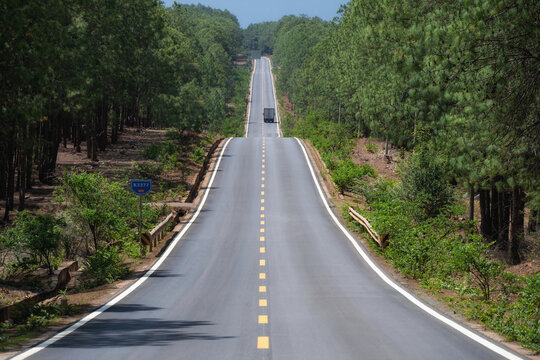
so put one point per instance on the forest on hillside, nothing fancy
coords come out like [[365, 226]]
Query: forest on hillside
[[81, 70], [455, 80]]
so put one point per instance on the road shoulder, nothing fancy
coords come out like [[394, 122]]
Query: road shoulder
[[95, 298], [336, 203]]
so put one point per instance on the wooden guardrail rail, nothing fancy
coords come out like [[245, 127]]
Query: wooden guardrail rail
[[195, 189], [382, 240], [62, 279], [151, 238]]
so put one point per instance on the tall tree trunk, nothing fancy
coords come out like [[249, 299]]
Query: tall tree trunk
[[103, 113], [504, 220], [77, 135], [471, 203], [517, 226], [115, 125], [533, 221], [494, 213], [123, 118], [485, 211], [3, 168], [20, 185], [10, 183]]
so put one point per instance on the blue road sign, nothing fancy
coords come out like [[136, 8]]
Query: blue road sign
[[140, 187]]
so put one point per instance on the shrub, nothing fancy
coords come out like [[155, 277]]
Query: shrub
[[106, 209], [326, 136], [425, 182], [347, 173], [197, 155], [38, 237], [172, 134], [148, 170], [371, 147], [104, 267], [160, 151], [152, 152], [472, 258]]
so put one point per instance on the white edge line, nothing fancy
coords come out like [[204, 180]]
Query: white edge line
[[249, 102], [488, 344], [275, 99], [135, 285]]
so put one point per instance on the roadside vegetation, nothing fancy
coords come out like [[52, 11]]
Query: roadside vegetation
[[455, 87], [77, 75]]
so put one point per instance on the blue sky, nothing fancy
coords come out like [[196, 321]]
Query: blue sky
[[254, 11]]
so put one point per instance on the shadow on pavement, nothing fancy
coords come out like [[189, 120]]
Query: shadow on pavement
[[135, 332]]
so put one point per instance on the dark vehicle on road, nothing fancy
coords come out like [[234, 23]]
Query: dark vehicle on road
[[269, 114]]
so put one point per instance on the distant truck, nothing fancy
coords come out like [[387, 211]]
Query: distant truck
[[269, 114]]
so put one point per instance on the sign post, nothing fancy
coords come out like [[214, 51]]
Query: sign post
[[140, 188]]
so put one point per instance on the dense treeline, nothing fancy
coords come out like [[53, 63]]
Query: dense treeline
[[458, 80], [80, 70]]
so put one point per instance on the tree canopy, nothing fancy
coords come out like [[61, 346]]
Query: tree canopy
[[80, 70]]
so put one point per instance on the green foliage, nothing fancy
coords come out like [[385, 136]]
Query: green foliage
[[26, 319], [472, 258], [160, 151], [347, 173], [425, 182], [443, 253], [107, 210], [371, 147], [198, 155], [331, 139], [148, 169], [104, 267], [35, 241]]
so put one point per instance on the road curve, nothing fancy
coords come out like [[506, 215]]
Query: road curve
[[264, 272]]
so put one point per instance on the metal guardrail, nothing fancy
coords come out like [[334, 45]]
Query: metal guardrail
[[382, 240], [151, 238]]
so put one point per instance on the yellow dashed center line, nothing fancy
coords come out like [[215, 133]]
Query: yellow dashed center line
[[263, 342]]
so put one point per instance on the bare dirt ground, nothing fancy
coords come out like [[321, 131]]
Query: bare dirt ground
[[385, 166]]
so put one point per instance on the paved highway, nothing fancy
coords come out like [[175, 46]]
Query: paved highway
[[264, 272]]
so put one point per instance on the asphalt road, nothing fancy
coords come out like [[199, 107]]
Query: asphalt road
[[264, 273]]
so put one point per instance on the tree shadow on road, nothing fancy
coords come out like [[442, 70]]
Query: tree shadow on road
[[135, 332]]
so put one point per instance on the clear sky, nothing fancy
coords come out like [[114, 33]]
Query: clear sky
[[255, 11]]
